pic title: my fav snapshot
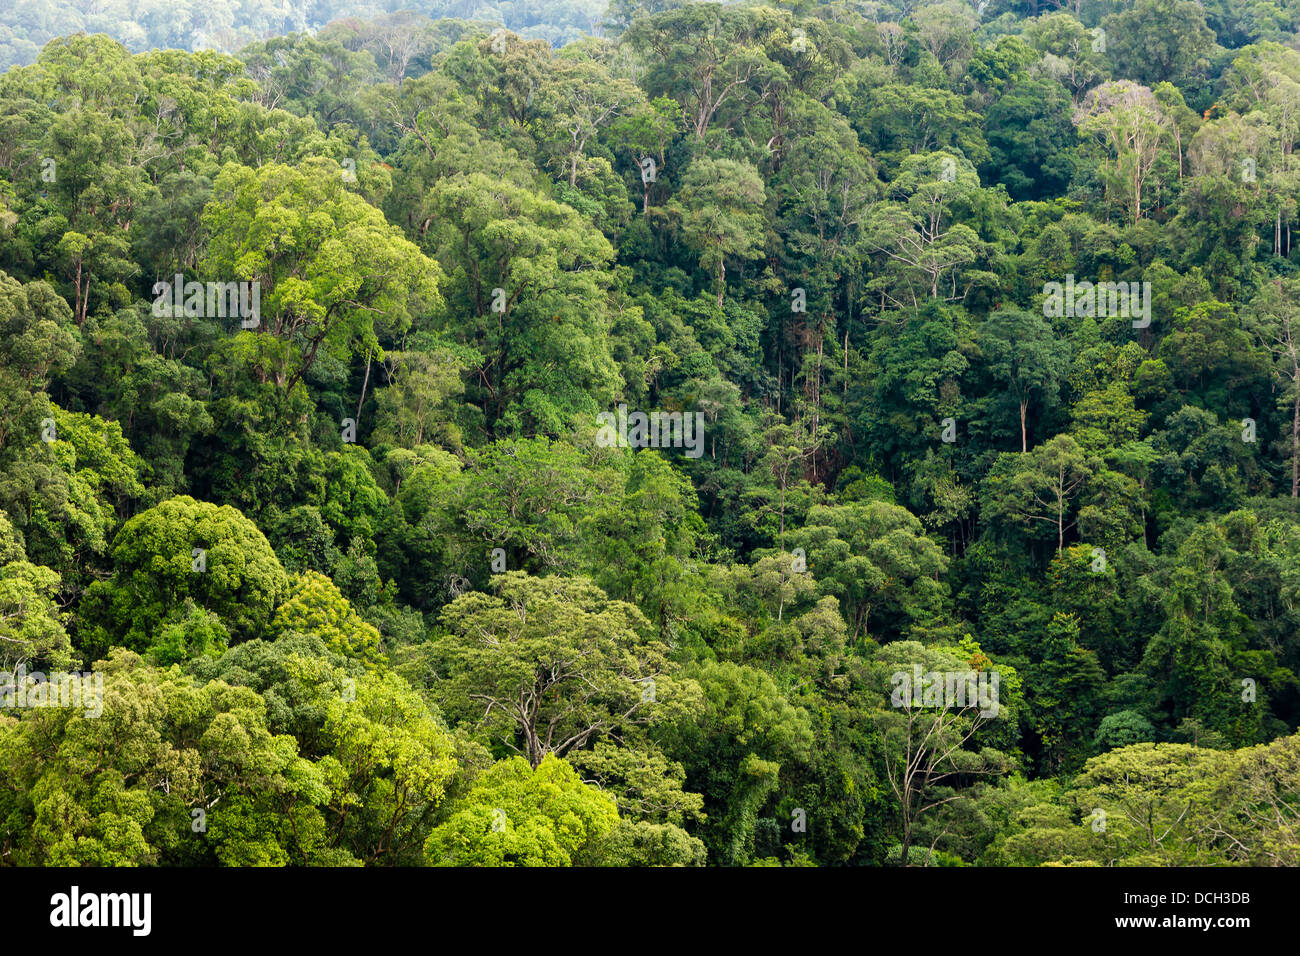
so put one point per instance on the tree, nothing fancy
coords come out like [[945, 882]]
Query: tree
[[528, 497], [160, 402], [527, 285], [1151, 811], [315, 606], [639, 545], [102, 256], [645, 129], [1064, 694], [36, 337], [1226, 201], [1070, 51], [734, 752], [182, 549], [1194, 657], [929, 750], [1030, 138], [923, 253], [876, 559], [789, 449], [418, 402], [1251, 812], [585, 100], [897, 120], [1158, 40], [708, 58], [1042, 485], [646, 784], [1273, 317], [946, 30], [391, 764], [395, 763], [1122, 729], [719, 211], [31, 624], [124, 787], [1265, 83], [548, 665], [651, 844], [332, 271], [1125, 119], [67, 494], [1024, 353], [522, 815]]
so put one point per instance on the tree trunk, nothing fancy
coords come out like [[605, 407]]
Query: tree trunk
[[79, 302], [1295, 447], [364, 384]]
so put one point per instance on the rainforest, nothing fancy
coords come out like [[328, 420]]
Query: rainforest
[[662, 434]]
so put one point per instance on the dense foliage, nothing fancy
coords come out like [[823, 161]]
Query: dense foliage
[[342, 531]]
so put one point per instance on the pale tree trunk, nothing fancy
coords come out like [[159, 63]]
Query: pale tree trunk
[[364, 385], [1294, 354], [1295, 447], [1060, 521]]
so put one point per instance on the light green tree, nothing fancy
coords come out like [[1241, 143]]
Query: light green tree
[[548, 665], [520, 815]]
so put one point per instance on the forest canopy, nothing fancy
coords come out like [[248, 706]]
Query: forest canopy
[[676, 434]]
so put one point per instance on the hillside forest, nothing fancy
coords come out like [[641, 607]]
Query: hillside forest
[[676, 434]]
